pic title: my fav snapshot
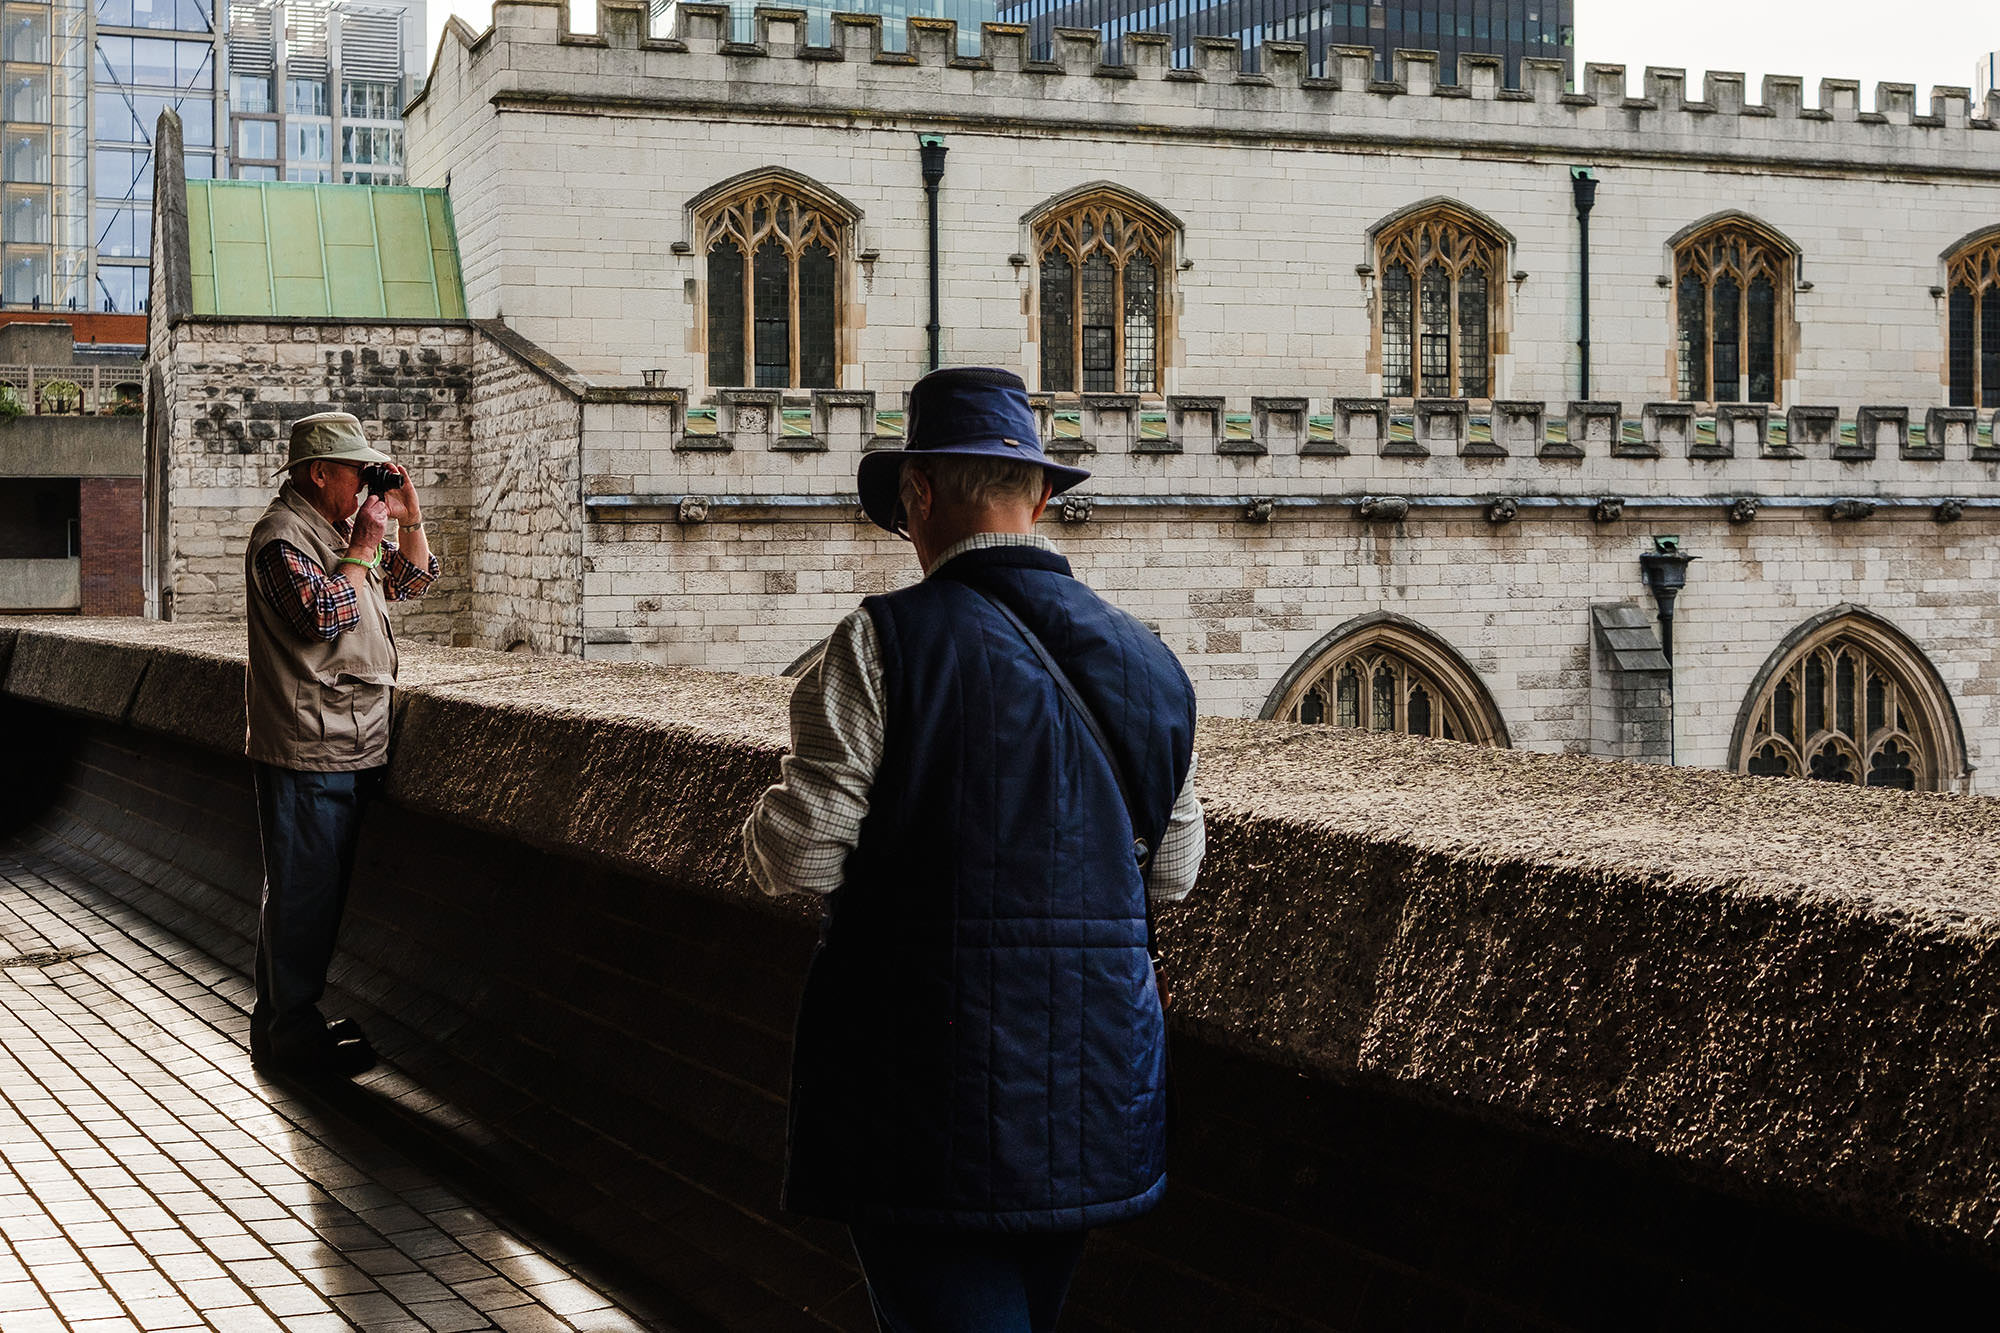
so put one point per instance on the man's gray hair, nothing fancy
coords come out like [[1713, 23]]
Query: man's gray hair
[[968, 479]]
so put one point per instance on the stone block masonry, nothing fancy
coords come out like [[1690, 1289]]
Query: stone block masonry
[[1466, 1039]]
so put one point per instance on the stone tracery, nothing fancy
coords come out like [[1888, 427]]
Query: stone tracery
[[774, 258], [1441, 297], [1852, 703], [1391, 676], [1973, 320], [1732, 285], [1102, 263]]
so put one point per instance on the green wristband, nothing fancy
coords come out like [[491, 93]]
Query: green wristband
[[370, 565]]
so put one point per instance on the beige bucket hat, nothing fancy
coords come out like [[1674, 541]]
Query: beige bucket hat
[[330, 435]]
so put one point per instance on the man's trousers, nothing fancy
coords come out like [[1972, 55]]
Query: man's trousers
[[309, 824], [937, 1280]]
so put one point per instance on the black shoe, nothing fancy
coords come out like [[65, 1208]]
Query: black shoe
[[333, 1060]]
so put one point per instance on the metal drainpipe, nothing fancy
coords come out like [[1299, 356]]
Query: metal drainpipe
[[1665, 570], [1584, 182], [932, 148]]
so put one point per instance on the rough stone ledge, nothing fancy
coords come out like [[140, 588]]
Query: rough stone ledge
[[1787, 991]]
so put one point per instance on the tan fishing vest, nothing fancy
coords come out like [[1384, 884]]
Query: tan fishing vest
[[321, 707]]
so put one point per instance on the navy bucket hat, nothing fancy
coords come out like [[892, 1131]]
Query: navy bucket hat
[[977, 411]]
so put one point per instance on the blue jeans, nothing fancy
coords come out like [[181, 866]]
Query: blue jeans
[[936, 1280], [309, 824]]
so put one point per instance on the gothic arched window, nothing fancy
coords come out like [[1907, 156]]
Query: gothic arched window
[[774, 258], [1732, 292], [1388, 675], [1973, 314], [1441, 291], [1103, 264], [1853, 703]]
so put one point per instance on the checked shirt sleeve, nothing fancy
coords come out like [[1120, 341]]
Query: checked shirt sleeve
[[798, 837], [402, 581], [1171, 875], [317, 607]]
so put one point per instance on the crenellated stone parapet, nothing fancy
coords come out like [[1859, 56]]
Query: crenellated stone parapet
[[758, 448], [856, 77]]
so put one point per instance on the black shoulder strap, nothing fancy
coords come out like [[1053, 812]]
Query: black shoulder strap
[[1140, 847]]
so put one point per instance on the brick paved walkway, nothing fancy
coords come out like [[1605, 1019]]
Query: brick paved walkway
[[149, 1179]]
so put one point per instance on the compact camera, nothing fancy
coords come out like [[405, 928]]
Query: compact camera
[[380, 479]]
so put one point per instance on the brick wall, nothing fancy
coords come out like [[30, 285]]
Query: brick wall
[[112, 542]]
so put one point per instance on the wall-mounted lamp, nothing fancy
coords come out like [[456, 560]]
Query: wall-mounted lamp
[[1665, 568]]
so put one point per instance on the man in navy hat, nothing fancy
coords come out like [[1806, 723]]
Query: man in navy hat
[[991, 778]]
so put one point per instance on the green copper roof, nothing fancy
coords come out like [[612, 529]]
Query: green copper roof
[[353, 251]]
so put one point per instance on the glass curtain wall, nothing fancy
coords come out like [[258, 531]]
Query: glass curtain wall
[[44, 197], [1514, 30], [968, 14], [147, 56]]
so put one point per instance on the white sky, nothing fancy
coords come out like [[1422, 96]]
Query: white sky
[[1925, 42]]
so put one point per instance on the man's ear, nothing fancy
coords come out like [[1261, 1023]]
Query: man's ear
[[1048, 493]]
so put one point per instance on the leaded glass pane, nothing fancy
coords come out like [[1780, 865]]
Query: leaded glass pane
[[1728, 340], [1989, 348], [1832, 764], [1312, 711], [1843, 694], [1694, 340], [1962, 347], [1420, 711], [1763, 319], [1100, 326], [1472, 340], [1815, 695], [1893, 767], [725, 315], [771, 315], [1382, 708], [1437, 332], [1348, 697], [817, 354], [1784, 705], [1878, 703], [1058, 324], [1398, 320], [1771, 762], [1142, 314]]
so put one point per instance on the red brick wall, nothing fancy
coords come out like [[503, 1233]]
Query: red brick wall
[[112, 510]]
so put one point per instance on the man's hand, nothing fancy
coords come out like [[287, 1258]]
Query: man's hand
[[369, 524], [402, 502]]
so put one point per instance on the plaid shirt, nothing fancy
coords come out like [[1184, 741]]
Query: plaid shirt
[[323, 607], [798, 837]]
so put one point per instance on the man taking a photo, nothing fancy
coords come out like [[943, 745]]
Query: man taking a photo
[[991, 776], [322, 668]]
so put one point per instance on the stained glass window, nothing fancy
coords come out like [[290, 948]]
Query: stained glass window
[[780, 311], [1974, 325], [1732, 285], [1437, 340], [1100, 265]]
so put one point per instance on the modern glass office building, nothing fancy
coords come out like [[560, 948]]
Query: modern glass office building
[[968, 14], [44, 169], [1514, 30]]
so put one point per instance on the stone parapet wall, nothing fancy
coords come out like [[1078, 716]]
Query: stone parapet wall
[[1436, 1007]]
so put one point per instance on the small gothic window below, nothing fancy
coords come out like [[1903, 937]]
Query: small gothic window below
[[1973, 319], [1437, 306], [1852, 706], [1392, 678], [1732, 292], [1100, 266], [773, 290]]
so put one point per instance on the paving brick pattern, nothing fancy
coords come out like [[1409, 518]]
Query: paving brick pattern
[[150, 1179]]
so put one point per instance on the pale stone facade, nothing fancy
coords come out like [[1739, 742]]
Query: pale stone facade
[[1267, 497]]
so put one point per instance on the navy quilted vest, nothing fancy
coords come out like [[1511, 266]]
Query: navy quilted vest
[[980, 1043]]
